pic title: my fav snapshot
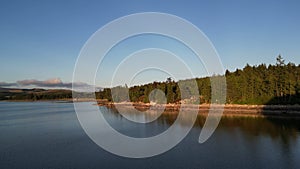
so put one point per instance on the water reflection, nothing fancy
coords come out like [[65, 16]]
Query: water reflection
[[253, 140], [285, 129]]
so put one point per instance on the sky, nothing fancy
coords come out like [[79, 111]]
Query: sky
[[41, 40]]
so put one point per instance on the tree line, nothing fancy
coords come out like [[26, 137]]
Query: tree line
[[258, 84]]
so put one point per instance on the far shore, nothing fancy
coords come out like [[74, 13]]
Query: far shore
[[228, 109], [71, 100]]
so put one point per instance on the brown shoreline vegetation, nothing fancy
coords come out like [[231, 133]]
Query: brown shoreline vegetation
[[229, 109]]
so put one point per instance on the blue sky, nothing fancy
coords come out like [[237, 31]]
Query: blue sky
[[42, 39]]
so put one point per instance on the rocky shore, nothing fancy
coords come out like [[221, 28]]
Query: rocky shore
[[229, 109]]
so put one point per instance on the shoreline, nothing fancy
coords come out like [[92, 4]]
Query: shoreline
[[228, 109]]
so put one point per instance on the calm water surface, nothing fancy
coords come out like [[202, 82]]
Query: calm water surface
[[48, 135]]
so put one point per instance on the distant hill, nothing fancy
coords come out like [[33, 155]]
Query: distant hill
[[34, 94]]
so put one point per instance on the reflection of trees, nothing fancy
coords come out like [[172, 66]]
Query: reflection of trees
[[284, 129], [275, 128]]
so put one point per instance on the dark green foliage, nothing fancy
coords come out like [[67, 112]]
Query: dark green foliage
[[104, 94], [272, 84], [275, 84]]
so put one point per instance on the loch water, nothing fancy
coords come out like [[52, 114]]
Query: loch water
[[49, 135]]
